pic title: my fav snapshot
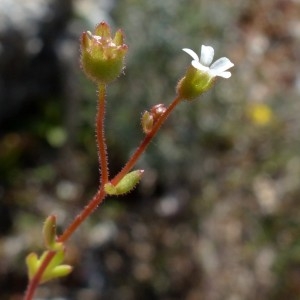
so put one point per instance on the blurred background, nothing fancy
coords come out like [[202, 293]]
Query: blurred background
[[217, 214]]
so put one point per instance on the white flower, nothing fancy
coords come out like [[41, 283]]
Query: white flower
[[218, 68]]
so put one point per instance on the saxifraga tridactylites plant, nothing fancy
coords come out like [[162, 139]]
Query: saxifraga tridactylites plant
[[102, 60]]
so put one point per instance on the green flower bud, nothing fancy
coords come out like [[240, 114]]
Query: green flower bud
[[147, 122], [126, 184], [102, 57]]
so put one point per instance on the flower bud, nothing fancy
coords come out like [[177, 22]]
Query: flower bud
[[147, 122], [149, 118], [102, 57], [157, 110]]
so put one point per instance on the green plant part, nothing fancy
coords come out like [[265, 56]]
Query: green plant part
[[200, 77], [126, 184], [54, 269], [49, 234], [147, 122], [149, 119], [102, 57]]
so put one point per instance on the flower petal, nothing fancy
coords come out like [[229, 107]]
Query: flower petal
[[207, 55], [196, 64], [191, 53], [221, 65], [224, 74]]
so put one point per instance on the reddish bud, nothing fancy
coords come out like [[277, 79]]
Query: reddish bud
[[150, 118], [157, 110]]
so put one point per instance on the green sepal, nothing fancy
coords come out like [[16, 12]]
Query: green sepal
[[194, 83]]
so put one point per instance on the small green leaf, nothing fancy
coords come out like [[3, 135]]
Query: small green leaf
[[126, 184], [54, 268], [57, 259], [61, 271], [49, 231], [32, 263]]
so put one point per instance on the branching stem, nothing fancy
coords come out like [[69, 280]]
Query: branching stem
[[100, 195], [144, 144]]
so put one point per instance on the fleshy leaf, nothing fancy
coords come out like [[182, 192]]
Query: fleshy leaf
[[32, 263], [126, 184]]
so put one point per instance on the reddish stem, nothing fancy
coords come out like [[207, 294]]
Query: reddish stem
[[34, 282], [92, 205], [100, 195], [101, 144], [144, 144], [88, 209]]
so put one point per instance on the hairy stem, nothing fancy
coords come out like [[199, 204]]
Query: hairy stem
[[88, 209], [101, 144], [100, 195], [144, 144], [34, 282]]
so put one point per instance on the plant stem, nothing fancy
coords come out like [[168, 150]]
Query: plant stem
[[100, 195], [144, 144], [101, 144], [88, 209], [34, 282]]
